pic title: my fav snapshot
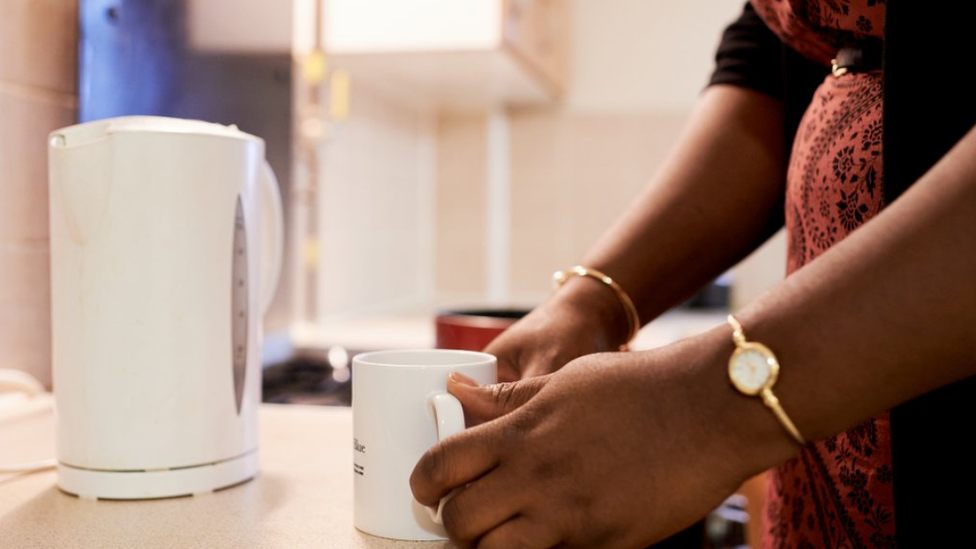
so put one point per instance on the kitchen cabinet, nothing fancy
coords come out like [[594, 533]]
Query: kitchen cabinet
[[454, 55]]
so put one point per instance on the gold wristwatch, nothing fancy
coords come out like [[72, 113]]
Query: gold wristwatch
[[753, 369]]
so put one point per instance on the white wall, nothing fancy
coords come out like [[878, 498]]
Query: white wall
[[38, 94], [375, 207], [637, 68], [414, 25], [643, 55], [242, 26]]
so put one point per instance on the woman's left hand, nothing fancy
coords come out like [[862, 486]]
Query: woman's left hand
[[614, 450]]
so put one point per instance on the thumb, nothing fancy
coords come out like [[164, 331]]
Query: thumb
[[487, 402]]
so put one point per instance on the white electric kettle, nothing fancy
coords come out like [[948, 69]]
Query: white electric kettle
[[166, 244]]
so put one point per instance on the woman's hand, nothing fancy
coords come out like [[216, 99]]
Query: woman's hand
[[683, 230], [544, 341], [582, 318], [614, 450]]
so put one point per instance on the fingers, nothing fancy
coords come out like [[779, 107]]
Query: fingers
[[519, 533], [493, 401], [454, 463], [481, 506], [469, 455]]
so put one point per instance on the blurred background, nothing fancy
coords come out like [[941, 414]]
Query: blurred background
[[433, 155]]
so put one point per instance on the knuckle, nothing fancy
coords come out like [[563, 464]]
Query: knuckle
[[430, 475], [439, 467], [511, 395], [522, 392], [501, 393]]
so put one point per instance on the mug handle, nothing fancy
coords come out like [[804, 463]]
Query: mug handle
[[450, 421], [273, 234]]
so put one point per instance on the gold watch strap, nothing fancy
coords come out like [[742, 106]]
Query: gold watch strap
[[771, 402], [768, 398]]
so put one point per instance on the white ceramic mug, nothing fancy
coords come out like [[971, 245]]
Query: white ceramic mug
[[401, 408]]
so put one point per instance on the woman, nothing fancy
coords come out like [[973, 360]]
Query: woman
[[874, 328]]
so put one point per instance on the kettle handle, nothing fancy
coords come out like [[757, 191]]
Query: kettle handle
[[273, 234]]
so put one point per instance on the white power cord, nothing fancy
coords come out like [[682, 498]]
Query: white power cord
[[22, 382], [15, 380], [29, 467]]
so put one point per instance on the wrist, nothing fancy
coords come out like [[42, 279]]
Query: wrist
[[596, 307], [748, 430]]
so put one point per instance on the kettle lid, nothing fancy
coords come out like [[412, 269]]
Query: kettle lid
[[84, 133]]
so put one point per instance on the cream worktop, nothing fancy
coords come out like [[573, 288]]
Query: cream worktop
[[301, 498]]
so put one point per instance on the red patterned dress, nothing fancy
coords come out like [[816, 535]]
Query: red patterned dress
[[837, 493]]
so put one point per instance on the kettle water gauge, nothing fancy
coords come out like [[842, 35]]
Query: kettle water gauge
[[239, 304]]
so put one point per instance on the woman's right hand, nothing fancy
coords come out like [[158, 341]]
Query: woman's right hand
[[614, 450], [581, 318]]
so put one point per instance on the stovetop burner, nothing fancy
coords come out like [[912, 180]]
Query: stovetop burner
[[319, 378]]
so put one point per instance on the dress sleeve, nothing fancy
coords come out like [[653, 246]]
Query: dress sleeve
[[750, 56]]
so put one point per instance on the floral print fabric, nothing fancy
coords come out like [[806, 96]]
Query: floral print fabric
[[837, 492]]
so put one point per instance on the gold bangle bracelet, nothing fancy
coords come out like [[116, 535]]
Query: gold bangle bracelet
[[633, 319]]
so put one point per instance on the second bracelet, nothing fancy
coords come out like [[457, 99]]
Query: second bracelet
[[633, 319]]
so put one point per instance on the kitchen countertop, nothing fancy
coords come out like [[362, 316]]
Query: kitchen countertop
[[301, 498], [417, 331]]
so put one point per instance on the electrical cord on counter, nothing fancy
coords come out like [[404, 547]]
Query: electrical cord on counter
[[38, 400], [28, 467], [15, 380]]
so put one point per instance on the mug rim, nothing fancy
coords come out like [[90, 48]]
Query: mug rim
[[471, 358]]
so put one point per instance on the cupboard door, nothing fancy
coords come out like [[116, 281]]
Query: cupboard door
[[537, 32]]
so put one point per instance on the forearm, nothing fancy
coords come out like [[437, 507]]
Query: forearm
[[707, 207], [884, 316]]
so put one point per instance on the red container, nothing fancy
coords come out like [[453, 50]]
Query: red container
[[473, 329]]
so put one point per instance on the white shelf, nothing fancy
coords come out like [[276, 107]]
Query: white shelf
[[454, 55]]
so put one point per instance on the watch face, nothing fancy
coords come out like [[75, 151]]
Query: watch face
[[752, 368]]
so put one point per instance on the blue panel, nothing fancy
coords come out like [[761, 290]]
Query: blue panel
[[130, 57]]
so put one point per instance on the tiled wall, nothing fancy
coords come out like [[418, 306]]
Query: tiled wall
[[461, 271], [376, 207], [637, 69], [572, 174], [569, 175], [405, 208], [38, 93]]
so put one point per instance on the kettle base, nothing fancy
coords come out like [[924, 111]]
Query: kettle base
[[167, 483]]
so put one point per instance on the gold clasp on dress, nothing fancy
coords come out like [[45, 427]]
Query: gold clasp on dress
[[836, 69]]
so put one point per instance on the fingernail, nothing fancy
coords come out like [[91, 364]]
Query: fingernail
[[462, 379]]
